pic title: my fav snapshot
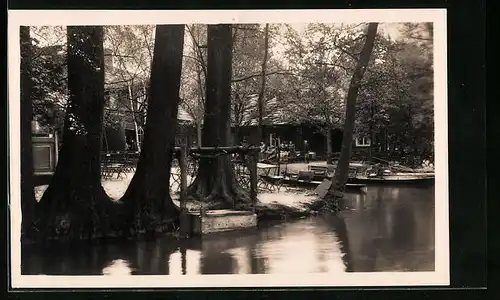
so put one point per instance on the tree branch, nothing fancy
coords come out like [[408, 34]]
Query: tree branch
[[267, 74]]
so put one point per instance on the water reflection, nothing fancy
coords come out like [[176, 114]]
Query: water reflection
[[391, 229], [117, 267], [386, 229]]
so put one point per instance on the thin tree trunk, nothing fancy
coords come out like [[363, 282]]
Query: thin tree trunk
[[105, 139], [27, 187], [260, 99], [145, 90], [215, 181], [75, 205], [370, 131], [132, 106], [202, 98], [198, 133], [413, 140], [237, 138], [342, 171], [329, 151], [148, 205]]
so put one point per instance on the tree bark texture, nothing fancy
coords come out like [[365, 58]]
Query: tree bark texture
[[147, 202], [342, 171], [75, 206], [27, 188], [215, 182]]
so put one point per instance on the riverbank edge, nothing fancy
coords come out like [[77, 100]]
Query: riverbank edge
[[264, 211], [276, 211]]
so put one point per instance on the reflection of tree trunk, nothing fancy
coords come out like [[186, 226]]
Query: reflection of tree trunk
[[342, 170], [156, 259], [215, 180], [329, 152], [75, 205], [217, 263], [147, 200], [183, 259], [27, 188], [340, 227], [254, 262]]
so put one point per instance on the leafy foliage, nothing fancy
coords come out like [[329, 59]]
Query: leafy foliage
[[397, 99], [322, 59], [194, 72], [308, 83], [128, 56], [49, 74]]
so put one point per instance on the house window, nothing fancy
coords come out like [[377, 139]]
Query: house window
[[141, 135], [363, 142], [39, 130]]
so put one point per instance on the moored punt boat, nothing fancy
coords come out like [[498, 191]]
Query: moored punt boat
[[400, 178], [313, 184], [307, 184]]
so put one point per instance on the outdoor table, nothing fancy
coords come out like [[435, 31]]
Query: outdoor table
[[267, 168], [269, 171]]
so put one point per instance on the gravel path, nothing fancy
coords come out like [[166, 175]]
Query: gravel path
[[115, 188]]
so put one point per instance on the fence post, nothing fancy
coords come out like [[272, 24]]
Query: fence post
[[184, 217], [56, 148], [253, 178], [278, 149]]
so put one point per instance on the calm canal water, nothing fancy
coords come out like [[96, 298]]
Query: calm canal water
[[386, 229]]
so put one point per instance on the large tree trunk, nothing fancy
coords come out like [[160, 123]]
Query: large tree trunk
[[329, 151], [215, 181], [27, 188], [342, 171], [263, 85], [148, 205], [75, 205]]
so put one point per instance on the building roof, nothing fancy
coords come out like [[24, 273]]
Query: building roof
[[273, 113], [183, 115]]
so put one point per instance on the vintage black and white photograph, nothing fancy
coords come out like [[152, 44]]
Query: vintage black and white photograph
[[228, 148]]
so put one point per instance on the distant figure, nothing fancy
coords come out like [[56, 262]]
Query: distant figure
[[291, 149], [129, 145], [306, 151], [244, 142], [283, 145], [263, 147]]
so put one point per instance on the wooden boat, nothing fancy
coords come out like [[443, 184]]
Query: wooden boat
[[301, 182], [314, 183], [398, 178]]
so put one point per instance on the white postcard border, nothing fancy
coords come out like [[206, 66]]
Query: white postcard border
[[441, 275]]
